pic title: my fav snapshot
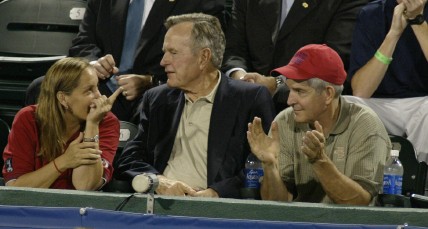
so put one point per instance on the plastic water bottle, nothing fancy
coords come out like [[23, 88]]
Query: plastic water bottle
[[253, 172], [393, 175]]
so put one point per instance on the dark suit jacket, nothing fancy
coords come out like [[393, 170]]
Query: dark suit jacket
[[102, 32], [236, 103], [255, 44]]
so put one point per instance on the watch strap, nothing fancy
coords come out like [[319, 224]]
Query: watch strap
[[94, 139], [418, 20]]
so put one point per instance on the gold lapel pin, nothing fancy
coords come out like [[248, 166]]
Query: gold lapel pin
[[305, 5]]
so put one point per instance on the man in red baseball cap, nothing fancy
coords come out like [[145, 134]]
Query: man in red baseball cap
[[321, 148]]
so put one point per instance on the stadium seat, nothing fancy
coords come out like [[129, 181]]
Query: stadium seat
[[33, 35], [39, 27], [127, 132]]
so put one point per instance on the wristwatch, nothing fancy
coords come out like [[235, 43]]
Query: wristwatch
[[94, 139], [279, 82], [418, 20]]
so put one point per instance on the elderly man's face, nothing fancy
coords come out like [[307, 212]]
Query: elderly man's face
[[307, 103], [180, 61]]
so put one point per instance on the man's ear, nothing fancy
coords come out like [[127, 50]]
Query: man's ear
[[204, 57], [329, 93]]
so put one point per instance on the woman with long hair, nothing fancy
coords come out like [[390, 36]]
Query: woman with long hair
[[69, 139]]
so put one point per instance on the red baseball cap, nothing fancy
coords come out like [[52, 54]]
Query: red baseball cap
[[315, 61]]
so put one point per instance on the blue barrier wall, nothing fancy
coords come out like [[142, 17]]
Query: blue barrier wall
[[216, 208], [45, 217]]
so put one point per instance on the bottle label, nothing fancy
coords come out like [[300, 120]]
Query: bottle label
[[253, 178], [392, 184]]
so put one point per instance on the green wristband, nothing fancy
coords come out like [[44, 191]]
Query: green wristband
[[382, 58]]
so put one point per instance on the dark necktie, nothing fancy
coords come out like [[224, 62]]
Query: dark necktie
[[283, 12], [132, 36]]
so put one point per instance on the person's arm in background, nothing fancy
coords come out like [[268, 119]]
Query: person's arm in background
[[85, 44], [89, 46], [366, 80], [421, 31], [236, 52]]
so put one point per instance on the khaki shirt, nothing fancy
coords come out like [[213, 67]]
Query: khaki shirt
[[188, 160]]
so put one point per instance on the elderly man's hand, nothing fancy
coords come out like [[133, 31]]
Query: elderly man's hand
[[206, 193], [173, 188]]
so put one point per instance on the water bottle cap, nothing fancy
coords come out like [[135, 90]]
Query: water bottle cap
[[395, 153]]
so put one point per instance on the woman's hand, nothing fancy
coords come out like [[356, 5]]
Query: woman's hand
[[79, 153], [101, 106]]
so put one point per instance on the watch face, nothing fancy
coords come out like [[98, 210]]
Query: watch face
[[417, 20]]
